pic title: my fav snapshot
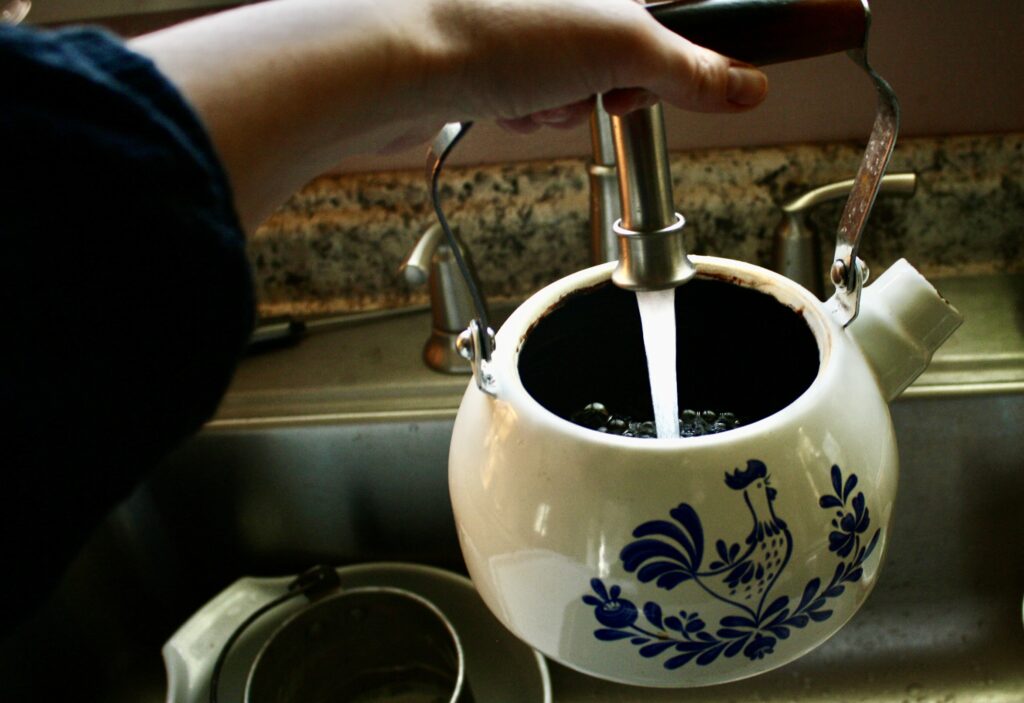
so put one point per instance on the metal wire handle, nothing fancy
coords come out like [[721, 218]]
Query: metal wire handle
[[476, 344], [848, 273], [312, 583]]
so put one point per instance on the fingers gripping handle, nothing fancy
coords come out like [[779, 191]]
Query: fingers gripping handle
[[651, 251], [772, 31]]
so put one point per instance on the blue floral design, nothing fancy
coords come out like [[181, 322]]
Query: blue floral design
[[760, 646], [671, 553], [849, 525], [611, 610]]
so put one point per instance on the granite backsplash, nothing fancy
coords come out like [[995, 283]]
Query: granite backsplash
[[337, 244]]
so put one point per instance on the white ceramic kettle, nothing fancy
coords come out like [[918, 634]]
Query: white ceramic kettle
[[695, 561]]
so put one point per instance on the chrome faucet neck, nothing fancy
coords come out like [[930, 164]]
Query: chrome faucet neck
[[652, 255]]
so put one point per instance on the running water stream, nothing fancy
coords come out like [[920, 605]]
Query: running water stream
[[658, 319]]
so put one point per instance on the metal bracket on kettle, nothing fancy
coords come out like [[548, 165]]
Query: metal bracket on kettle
[[849, 273], [471, 345]]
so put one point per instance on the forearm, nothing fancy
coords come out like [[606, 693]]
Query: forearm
[[287, 89]]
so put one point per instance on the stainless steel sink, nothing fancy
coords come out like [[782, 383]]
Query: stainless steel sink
[[336, 452]]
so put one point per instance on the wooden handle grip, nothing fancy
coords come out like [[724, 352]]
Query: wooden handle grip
[[768, 31]]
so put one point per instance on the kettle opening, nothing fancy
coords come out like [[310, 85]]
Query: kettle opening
[[739, 351]]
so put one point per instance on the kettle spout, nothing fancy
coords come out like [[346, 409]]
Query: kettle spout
[[902, 322]]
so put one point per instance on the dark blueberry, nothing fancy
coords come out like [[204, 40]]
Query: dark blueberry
[[593, 416], [692, 423]]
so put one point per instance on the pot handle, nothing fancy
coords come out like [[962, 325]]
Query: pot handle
[[848, 272], [772, 31], [764, 32], [476, 343], [312, 584]]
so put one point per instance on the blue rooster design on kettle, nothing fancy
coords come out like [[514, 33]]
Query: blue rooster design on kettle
[[671, 553]]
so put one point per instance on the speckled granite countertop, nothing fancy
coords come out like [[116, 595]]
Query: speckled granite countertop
[[336, 245]]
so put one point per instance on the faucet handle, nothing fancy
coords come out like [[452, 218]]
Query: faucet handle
[[797, 251], [893, 184], [432, 261], [415, 268]]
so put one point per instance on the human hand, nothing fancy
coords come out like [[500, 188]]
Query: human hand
[[530, 63], [287, 89]]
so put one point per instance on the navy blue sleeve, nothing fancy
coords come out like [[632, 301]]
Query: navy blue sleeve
[[124, 284]]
